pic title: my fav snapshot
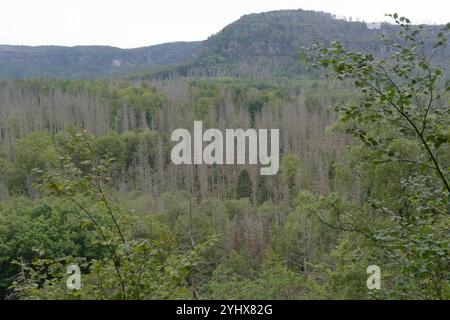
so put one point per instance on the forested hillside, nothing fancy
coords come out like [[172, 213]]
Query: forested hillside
[[87, 62], [86, 175], [257, 46], [269, 44]]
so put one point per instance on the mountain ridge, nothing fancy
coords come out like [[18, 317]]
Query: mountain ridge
[[255, 45], [260, 45], [88, 61]]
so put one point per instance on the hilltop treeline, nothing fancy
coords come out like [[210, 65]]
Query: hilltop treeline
[[256, 45]]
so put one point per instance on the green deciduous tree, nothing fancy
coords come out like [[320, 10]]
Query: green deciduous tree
[[402, 156]]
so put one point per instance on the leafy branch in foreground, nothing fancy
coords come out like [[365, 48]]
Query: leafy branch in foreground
[[135, 268], [403, 90], [402, 156]]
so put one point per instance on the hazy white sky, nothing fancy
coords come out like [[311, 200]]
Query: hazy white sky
[[135, 23]]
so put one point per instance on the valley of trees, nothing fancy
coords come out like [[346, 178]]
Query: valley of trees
[[86, 176]]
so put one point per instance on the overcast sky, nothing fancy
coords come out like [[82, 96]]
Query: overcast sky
[[136, 23]]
